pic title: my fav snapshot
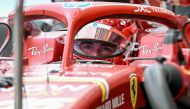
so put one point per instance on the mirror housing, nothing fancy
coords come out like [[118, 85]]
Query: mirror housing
[[5, 36]]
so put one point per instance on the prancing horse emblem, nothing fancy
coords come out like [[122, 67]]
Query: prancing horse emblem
[[133, 89]]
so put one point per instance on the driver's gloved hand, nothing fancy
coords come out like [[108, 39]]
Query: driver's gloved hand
[[6, 82]]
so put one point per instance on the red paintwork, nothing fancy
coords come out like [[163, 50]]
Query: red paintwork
[[85, 86], [34, 77]]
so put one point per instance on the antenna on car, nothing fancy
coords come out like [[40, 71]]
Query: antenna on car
[[18, 53]]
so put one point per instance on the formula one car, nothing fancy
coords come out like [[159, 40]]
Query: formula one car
[[99, 84]]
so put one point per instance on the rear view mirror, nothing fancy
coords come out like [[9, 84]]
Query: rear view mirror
[[5, 36]]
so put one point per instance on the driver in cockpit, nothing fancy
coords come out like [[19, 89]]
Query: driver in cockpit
[[99, 41]]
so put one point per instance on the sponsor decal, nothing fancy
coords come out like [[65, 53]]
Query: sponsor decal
[[57, 89], [102, 83], [133, 89], [113, 103], [77, 4], [142, 9], [145, 50], [148, 9], [134, 46], [35, 51]]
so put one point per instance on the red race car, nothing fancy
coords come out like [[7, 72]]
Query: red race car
[[93, 77]]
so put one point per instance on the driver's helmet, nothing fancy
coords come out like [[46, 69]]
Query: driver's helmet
[[99, 41]]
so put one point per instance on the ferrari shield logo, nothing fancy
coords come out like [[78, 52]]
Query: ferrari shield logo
[[133, 90]]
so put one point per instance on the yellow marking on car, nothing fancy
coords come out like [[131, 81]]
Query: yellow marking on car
[[186, 71]]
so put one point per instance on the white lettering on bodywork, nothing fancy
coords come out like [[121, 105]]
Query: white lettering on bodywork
[[35, 51], [142, 9], [145, 9], [146, 50], [113, 103], [133, 46]]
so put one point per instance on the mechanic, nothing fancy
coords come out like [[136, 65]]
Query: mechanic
[[101, 42]]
